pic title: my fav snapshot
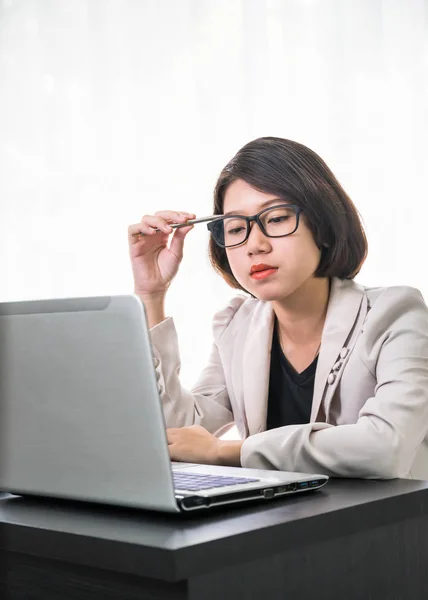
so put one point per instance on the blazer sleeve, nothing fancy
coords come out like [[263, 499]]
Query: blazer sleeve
[[391, 425], [207, 403]]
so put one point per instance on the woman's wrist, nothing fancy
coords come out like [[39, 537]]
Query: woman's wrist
[[229, 453], [154, 305]]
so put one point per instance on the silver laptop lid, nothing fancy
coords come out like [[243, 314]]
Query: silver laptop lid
[[75, 375]]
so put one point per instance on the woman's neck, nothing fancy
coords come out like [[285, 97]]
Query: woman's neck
[[301, 316]]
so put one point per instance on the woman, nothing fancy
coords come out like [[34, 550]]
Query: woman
[[319, 373]]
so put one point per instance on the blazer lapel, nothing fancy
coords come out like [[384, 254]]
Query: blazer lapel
[[342, 312], [256, 366]]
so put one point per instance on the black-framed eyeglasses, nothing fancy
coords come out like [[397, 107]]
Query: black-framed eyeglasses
[[276, 221]]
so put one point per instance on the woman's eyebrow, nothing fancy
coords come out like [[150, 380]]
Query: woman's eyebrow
[[263, 205]]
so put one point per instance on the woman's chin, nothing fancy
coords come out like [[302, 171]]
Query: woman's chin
[[268, 293], [273, 291]]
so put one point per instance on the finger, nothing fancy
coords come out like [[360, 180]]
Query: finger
[[157, 223], [173, 216], [177, 241], [143, 228], [171, 435]]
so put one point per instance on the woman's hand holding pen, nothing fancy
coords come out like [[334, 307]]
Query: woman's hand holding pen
[[154, 264]]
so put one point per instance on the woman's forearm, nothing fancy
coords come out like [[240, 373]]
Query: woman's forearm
[[155, 307]]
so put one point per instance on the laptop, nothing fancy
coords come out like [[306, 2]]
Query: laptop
[[81, 418]]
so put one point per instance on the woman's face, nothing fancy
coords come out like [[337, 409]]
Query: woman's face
[[294, 259]]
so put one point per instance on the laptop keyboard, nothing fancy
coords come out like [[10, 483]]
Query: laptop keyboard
[[194, 482]]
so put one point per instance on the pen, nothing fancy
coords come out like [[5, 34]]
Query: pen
[[187, 223]]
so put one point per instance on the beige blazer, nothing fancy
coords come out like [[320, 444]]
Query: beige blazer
[[370, 405]]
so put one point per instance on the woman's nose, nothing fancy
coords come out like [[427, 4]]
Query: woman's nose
[[257, 242]]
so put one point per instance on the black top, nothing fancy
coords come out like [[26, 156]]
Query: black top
[[290, 393]]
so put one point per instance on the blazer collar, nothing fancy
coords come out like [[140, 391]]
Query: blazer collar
[[344, 304]]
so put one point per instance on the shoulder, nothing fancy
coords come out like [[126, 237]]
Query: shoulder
[[395, 310], [392, 298], [395, 301], [393, 292], [239, 310]]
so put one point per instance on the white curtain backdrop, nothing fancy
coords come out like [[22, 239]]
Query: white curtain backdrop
[[110, 109]]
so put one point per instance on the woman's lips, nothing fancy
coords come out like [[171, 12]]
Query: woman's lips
[[258, 275]]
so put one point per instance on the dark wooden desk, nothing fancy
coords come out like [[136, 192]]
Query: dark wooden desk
[[352, 540]]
